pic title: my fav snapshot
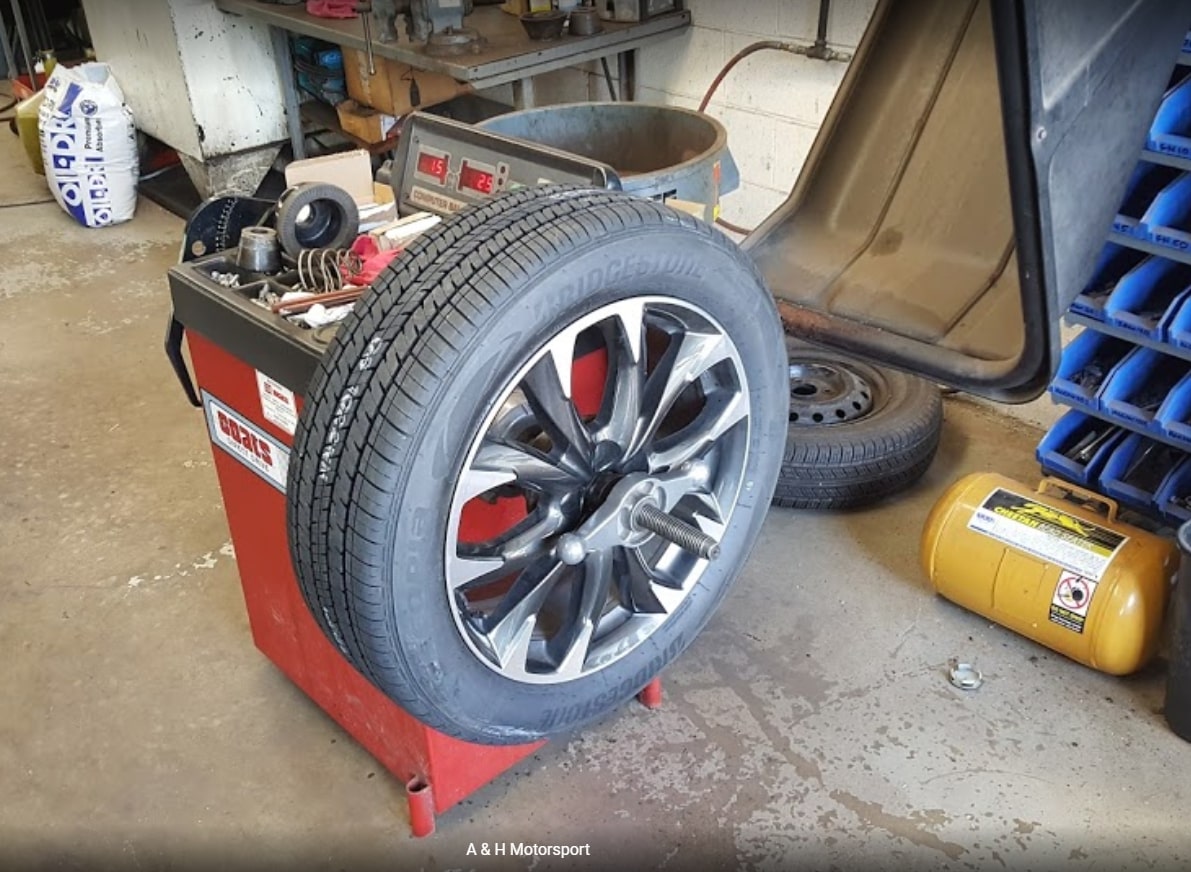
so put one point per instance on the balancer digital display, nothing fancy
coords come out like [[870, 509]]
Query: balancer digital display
[[433, 166], [472, 178]]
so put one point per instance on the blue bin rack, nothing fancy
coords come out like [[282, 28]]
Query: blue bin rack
[[1135, 308], [1065, 435]]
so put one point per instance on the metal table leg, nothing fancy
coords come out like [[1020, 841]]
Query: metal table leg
[[289, 90], [627, 69], [10, 61], [23, 38], [523, 93]]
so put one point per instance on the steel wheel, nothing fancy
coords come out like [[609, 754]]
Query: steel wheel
[[828, 392], [626, 491], [857, 433]]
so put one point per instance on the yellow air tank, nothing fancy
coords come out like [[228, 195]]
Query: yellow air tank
[[1074, 579]]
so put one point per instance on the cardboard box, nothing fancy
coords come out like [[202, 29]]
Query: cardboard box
[[389, 91], [521, 7], [350, 170], [364, 122]]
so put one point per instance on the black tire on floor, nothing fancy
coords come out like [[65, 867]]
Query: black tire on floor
[[876, 431], [401, 396]]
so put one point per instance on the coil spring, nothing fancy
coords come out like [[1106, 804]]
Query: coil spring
[[326, 269]]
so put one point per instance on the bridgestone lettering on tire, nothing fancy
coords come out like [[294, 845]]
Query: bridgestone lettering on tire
[[521, 386]]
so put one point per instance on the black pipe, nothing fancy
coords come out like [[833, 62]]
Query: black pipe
[[1178, 674], [818, 51]]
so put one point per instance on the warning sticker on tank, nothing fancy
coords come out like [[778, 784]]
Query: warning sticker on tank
[[1072, 597], [1047, 533]]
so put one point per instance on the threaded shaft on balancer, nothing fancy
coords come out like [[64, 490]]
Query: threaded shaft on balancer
[[651, 518]]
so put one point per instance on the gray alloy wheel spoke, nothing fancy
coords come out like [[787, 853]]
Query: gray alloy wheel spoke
[[687, 358], [549, 395], [625, 338], [520, 464], [634, 583], [723, 411], [575, 640], [476, 565], [509, 630]]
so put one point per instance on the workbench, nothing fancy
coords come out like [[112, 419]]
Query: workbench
[[508, 55]]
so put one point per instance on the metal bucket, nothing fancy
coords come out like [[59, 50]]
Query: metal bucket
[[660, 152]]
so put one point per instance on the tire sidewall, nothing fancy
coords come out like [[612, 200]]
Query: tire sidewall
[[653, 262]]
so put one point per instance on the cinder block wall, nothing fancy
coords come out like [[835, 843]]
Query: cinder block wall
[[772, 103]]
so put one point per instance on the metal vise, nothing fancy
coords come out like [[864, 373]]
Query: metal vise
[[428, 17]]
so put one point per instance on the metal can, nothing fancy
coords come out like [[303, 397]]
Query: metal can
[[1069, 576]]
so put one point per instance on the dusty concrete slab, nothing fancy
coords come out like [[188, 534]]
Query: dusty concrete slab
[[811, 725]]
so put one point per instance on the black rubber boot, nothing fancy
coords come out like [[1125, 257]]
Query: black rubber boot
[[1178, 677]]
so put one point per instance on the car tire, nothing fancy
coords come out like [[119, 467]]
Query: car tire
[[857, 434], [444, 383]]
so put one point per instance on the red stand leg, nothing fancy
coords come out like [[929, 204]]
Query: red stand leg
[[421, 807], [651, 695]]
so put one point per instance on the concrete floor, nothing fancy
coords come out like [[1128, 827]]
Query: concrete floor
[[810, 725]]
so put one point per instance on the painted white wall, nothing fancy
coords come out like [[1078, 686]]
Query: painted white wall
[[203, 82]]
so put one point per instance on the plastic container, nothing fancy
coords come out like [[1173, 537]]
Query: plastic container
[[1136, 471], [1140, 385], [1170, 132], [28, 112], [1147, 297], [1145, 184], [1074, 428], [1174, 490], [1167, 222], [1178, 328], [1114, 263], [1072, 384], [1174, 417], [660, 152]]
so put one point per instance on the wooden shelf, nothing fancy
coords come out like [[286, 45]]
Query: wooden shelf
[[325, 117]]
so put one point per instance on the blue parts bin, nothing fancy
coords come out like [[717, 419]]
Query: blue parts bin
[[1140, 385], [1174, 418], [1174, 496], [1115, 262], [1147, 297], [1146, 184], [1136, 471], [1087, 364], [1171, 131], [1077, 447]]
